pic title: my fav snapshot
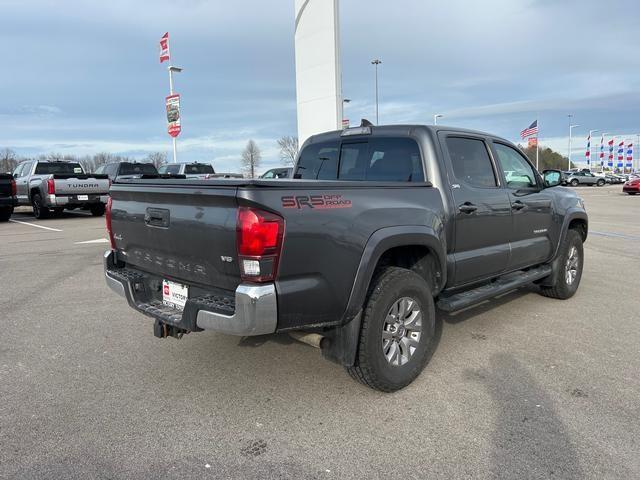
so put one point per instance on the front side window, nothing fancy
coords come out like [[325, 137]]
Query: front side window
[[318, 161], [18, 171], [471, 162], [518, 173]]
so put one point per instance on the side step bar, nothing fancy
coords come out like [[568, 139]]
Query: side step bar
[[511, 281]]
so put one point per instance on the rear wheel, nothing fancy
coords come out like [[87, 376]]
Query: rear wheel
[[97, 210], [398, 334], [39, 211], [571, 264], [5, 214], [574, 183], [601, 183]]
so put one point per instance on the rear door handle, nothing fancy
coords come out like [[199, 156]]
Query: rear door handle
[[467, 207], [517, 205]]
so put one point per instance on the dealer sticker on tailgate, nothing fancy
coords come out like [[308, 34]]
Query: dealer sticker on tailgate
[[174, 294]]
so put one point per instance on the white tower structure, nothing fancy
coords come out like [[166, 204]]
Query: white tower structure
[[318, 76]]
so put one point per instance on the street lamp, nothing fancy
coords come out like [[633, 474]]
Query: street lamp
[[345, 120], [376, 62], [436, 117], [571, 127]]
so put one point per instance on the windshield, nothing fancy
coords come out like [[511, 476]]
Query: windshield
[[65, 168], [137, 169]]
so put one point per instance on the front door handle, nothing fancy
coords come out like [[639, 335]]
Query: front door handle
[[467, 207], [517, 205]]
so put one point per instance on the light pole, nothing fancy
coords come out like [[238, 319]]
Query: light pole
[[436, 117], [376, 62], [571, 127], [173, 69], [345, 119]]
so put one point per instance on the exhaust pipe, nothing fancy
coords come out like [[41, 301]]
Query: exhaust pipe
[[314, 339]]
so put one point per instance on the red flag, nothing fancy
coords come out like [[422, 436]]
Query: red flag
[[164, 48]]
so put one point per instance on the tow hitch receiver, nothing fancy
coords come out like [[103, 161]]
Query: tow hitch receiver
[[163, 330]]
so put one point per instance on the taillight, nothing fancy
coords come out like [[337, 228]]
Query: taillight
[[259, 237], [51, 186], [14, 189], [107, 218]]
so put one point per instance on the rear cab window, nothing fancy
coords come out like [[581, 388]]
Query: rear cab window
[[137, 169], [198, 169], [381, 159], [61, 168]]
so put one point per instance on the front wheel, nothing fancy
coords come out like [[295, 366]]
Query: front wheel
[[39, 210], [601, 183], [398, 333], [571, 264]]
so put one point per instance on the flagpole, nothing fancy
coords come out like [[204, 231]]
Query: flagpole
[[174, 139]]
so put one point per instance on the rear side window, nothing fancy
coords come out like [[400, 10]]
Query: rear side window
[[198, 169], [64, 168], [471, 162], [319, 161], [137, 169], [381, 160]]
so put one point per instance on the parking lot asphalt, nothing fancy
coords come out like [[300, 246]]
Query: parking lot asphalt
[[520, 387]]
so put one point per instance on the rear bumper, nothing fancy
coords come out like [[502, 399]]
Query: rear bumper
[[631, 188], [252, 310], [72, 200], [8, 202]]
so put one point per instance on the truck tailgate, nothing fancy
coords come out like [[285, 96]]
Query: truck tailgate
[[182, 234], [84, 186]]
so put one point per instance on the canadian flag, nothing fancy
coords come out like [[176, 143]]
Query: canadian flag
[[164, 48]]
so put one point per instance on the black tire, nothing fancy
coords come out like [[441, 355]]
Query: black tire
[[601, 183], [563, 289], [372, 368], [97, 210], [632, 193], [5, 214], [574, 183], [39, 211]]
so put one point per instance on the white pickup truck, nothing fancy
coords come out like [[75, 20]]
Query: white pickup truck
[[52, 186]]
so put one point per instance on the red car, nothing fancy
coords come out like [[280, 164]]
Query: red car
[[632, 186]]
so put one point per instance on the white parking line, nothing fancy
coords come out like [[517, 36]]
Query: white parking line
[[34, 225], [99, 240]]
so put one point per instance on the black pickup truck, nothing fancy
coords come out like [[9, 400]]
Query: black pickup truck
[[378, 227], [7, 196]]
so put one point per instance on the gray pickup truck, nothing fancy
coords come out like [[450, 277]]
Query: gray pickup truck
[[379, 226], [52, 186]]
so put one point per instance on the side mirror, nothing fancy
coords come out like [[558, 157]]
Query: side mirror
[[552, 178]]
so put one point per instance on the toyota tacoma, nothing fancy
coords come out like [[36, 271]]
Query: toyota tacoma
[[380, 226]]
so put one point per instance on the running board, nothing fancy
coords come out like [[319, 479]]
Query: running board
[[504, 284]]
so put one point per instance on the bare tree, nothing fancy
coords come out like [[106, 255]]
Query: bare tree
[[288, 149], [251, 157], [157, 158], [8, 160]]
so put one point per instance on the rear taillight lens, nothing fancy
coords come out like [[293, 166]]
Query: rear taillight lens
[[14, 189], [259, 237], [107, 218], [51, 186]]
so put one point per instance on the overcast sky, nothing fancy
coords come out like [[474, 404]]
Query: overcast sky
[[82, 77]]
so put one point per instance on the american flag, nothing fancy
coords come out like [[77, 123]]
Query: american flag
[[531, 130]]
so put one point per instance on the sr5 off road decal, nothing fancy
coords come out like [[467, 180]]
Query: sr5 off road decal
[[320, 202]]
